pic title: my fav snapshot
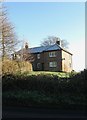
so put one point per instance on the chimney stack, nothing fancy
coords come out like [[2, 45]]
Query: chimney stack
[[26, 45], [58, 42]]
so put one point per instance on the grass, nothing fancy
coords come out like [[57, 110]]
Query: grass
[[36, 73]]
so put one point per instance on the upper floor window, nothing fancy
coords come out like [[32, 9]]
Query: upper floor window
[[52, 64], [52, 54], [38, 56]]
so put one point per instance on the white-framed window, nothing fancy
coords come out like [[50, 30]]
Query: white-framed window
[[52, 54], [38, 65], [38, 56], [53, 64]]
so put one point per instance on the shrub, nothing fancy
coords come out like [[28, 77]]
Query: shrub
[[44, 89], [46, 83], [9, 66], [35, 98], [72, 73], [12, 66]]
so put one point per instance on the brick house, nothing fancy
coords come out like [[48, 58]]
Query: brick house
[[51, 58]]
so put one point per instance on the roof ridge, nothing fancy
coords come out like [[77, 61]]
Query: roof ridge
[[50, 46], [59, 46], [36, 47], [40, 46]]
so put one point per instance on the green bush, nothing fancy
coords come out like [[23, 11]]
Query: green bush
[[35, 98], [45, 82], [44, 89], [72, 74]]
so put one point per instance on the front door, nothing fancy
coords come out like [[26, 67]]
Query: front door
[[42, 66]]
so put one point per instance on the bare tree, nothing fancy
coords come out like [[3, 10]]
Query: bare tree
[[24, 54], [50, 40], [8, 38], [64, 44]]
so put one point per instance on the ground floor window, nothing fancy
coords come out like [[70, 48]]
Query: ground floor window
[[53, 64], [38, 65]]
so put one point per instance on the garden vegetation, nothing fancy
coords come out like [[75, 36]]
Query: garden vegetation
[[45, 89]]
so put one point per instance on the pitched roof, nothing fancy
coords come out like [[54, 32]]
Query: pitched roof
[[45, 48]]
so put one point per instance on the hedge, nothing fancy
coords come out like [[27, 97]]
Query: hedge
[[45, 83], [45, 90]]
